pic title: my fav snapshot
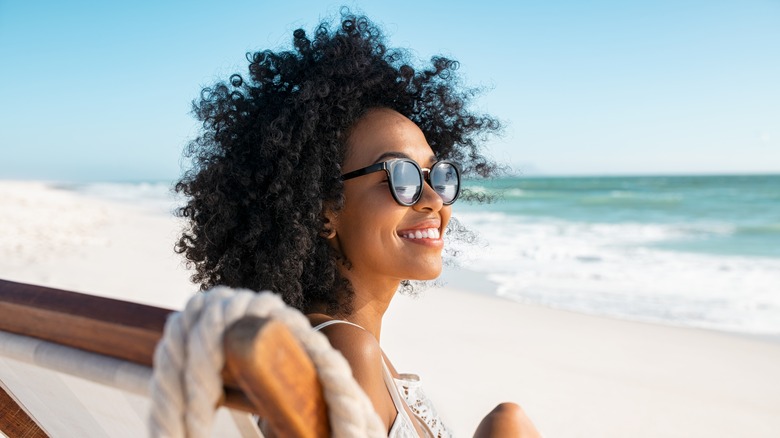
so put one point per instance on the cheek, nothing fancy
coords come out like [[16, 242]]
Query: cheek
[[368, 224]]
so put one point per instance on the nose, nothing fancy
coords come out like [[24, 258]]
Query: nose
[[429, 199]]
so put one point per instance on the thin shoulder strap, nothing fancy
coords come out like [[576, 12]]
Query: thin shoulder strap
[[398, 400], [334, 321]]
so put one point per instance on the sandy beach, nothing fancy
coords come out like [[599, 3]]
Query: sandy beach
[[575, 375]]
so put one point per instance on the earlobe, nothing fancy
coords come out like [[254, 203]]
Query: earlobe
[[328, 230]]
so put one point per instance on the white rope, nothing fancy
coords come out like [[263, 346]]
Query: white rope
[[186, 384]]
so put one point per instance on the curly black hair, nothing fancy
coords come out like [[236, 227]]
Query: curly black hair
[[269, 156]]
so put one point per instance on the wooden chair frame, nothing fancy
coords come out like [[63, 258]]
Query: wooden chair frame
[[267, 372]]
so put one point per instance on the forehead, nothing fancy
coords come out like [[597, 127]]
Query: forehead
[[384, 131]]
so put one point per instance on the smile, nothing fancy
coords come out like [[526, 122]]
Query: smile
[[429, 233]]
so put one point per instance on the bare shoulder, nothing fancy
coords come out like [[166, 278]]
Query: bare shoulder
[[358, 346], [364, 355]]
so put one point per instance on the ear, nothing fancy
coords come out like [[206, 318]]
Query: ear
[[329, 220]]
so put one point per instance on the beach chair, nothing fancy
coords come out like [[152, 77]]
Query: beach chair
[[79, 365]]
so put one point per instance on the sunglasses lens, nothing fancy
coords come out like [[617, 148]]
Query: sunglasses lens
[[445, 181], [407, 182]]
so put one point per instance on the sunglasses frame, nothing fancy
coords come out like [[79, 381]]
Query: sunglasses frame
[[425, 174]]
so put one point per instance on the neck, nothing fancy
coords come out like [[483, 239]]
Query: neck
[[371, 300]]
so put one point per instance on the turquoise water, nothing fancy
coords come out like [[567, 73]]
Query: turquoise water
[[713, 214]]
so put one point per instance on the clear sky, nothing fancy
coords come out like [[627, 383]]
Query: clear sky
[[98, 90]]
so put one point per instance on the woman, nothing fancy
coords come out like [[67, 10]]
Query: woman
[[327, 175]]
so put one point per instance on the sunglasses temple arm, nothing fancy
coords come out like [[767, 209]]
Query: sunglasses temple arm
[[364, 171]]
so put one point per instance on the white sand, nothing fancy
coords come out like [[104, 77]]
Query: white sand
[[58, 238], [576, 375]]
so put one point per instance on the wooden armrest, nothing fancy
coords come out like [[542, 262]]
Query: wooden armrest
[[120, 329], [277, 376]]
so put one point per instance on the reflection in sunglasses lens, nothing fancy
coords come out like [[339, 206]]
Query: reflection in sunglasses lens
[[407, 182], [444, 179]]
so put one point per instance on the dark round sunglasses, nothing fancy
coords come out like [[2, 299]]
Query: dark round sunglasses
[[405, 179]]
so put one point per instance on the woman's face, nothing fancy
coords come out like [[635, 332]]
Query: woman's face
[[372, 230]]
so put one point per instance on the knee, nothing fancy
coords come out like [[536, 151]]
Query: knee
[[508, 409], [507, 419]]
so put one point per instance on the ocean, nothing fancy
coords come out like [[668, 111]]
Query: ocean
[[697, 251]]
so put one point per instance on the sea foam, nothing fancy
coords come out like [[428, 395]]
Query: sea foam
[[622, 270]]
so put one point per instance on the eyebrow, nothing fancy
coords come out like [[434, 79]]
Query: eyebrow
[[394, 154]]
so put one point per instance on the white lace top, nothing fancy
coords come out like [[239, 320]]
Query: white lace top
[[407, 390]]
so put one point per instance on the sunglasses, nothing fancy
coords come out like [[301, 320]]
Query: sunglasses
[[405, 179]]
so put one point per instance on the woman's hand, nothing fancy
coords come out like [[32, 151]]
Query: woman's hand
[[507, 420]]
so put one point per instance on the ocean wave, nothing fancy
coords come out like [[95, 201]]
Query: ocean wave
[[758, 230], [618, 198], [623, 270]]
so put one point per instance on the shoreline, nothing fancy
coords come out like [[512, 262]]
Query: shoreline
[[478, 283]]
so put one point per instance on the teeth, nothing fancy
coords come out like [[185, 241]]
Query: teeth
[[430, 233]]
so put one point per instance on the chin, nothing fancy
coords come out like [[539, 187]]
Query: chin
[[428, 275], [422, 268]]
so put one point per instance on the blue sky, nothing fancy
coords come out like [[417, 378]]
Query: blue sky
[[95, 90]]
